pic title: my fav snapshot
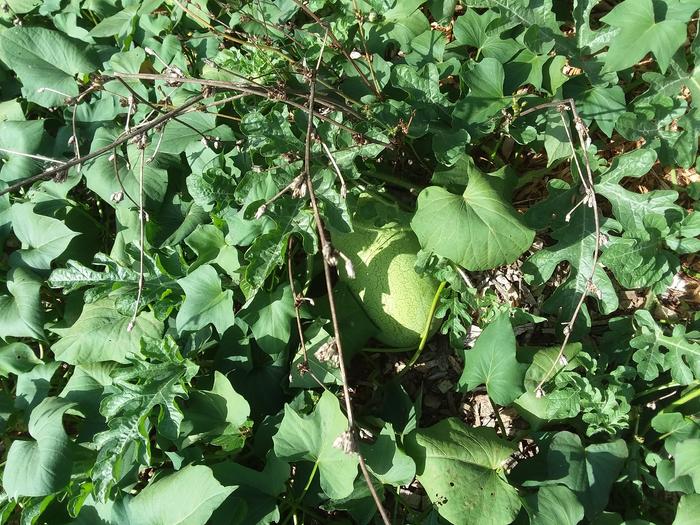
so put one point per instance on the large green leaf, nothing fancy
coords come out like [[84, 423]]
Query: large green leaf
[[492, 363], [43, 58], [478, 230], [186, 497], [21, 312], [318, 437], [270, 317], [101, 334], [42, 466], [554, 505], [43, 238], [462, 470], [588, 471], [688, 510], [646, 25], [22, 137], [204, 302]]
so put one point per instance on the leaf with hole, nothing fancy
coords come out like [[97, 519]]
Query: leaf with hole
[[462, 471]]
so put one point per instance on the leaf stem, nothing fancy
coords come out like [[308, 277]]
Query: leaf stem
[[497, 417], [655, 389], [694, 393], [308, 481], [426, 329], [396, 181]]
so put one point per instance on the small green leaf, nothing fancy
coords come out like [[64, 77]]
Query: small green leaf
[[317, 437], [259, 490], [204, 302], [492, 363], [676, 427], [576, 241], [630, 207], [21, 312], [217, 413], [638, 259], [478, 230], [556, 140], [120, 22], [687, 460], [589, 471], [602, 104], [270, 317], [483, 31], [22, 137], [449, 145], [554, 505], [386, 461], [688, 510], [485, 100], [43, 238], [682, 357], [157, 378], [17, 358], [422, 85]]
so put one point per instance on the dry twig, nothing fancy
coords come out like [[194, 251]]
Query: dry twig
[[53, 172], [326, 251], [589, 199]]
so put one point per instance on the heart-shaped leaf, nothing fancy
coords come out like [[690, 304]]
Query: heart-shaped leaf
[[42, 59], [461, 469], [318, 438], [41, 466], [204, 302], [186, 497], [478, 230], [492, 363]]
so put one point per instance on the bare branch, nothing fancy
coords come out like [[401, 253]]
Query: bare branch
[[99, 152], [326, 250], [586, 176], [142, 237], [252, 89], [337, 43]]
